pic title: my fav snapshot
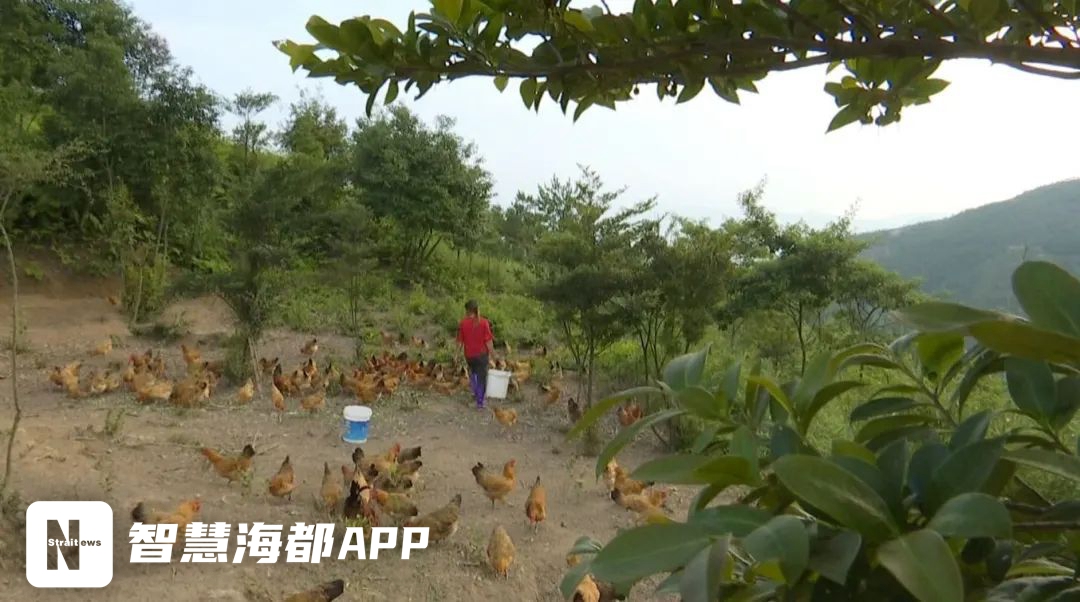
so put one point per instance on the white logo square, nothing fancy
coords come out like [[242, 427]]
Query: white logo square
[[69, 544]]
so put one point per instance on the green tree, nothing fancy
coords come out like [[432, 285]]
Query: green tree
[[797, 270], [581, 260], [425, 183], [592, 56], [250, 135]]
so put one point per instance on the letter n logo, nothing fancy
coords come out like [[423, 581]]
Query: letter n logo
[[66, 557]]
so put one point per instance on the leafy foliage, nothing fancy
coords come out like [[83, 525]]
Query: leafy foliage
[[926, 499], [592, 56]]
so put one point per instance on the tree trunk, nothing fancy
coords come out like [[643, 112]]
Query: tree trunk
[[802, 338], [17, 418]]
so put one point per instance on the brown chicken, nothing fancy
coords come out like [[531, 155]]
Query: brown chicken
[[629, 414], [358, 504], [500, 552], [389, 339], [283, 483], [97, 383], [310, 369], [310, 348], [610, 473], [314, 402], [185, 513], [536, 504], [103, 348], [506, 417], [192, 356], [419, 342], [330, 492], [587, 591], [277, 398], [395, 504], [324, 593], [113, 300], [573, 410], [641, 505], [155, 391], [231, 467], [496, 486], [189, 394], [624, 484], [441, 523], [552, 394], [409, 454], [246, 393], [266, 366]]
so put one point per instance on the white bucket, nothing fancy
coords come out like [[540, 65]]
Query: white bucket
[[498, 381], [357, 419]]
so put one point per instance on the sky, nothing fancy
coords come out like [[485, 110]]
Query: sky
[[992, 134]]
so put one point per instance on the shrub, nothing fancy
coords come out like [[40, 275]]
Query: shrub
[[928, 497]]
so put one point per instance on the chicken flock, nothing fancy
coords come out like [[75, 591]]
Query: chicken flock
[[368, 490]]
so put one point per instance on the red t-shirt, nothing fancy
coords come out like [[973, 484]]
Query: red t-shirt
[[474, 334]]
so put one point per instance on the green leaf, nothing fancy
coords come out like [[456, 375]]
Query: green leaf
[[843, 496], [816, 376], [744, 444], [500, 82], [701, 403], [783, 538], [971, 515], [685, 469], [938, 316], [685, 370], [774, 390], [644, 551], [881, 426], [842, 447], [602, 407], [832, 558], [1049, 295], [586, 545], [701, 579], [892, 461], [628, 434], [922, 562], [1025, 340], [938, 351], [325, 33], [1031, 386], [973, 429], [870, 359], [528, 91], [578, 20], [729, 386], [824, 395], [451, 9], [1048, 461], [965, 470], [691, 89], [845, 116], [734, 520], [391, 92], [1068, 402], [883, 406], [924, 462]]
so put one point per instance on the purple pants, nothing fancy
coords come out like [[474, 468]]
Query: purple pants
[[478, 367]]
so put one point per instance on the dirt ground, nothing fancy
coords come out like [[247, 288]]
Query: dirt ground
[[61, 454]]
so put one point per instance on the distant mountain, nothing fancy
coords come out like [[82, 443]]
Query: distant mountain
[[970, 256]]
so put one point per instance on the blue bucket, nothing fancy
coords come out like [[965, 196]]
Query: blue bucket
[[357, 419]]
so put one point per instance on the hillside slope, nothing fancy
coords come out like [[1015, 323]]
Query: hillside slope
[[969, 257]]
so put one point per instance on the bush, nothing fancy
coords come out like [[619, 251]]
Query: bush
[[924, 501]]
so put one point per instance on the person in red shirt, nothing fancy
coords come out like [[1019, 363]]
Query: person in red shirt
[[475, 338]]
